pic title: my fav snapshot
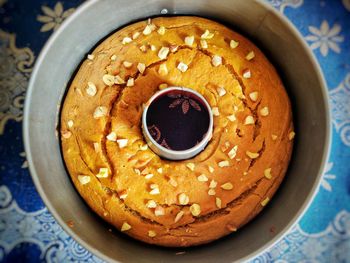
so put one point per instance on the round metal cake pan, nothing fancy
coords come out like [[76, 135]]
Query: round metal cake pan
[[96, 19]]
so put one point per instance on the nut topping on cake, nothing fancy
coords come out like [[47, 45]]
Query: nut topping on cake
[[234, 44], [227, 186], [195, 209], [125, 227], [84, 179], [183, 199]]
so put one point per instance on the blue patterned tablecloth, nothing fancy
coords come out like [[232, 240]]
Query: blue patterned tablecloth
[[28, 232]]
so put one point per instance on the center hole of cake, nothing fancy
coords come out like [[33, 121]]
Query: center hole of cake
[[178, 120]]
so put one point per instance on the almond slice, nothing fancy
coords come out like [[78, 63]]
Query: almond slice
[[191, 166], [151, 233], [250, 56], [130, 82], [215, 111], [252, 155], [103, 173], [234, 44], [202, 178], [249, 120], [151, 204], [227, 186], [91, 89], [153, 47], [213, 184], [118, 80], [125, 227], [135, 35], [178, 216], [265, 201], [172, 182], [291, 135], [216, 60], [126, 40], [207, 35], [254, 96], [162, 86], [108, 79], [173, 48], [127, 64], [183, 199], [97, 147], [159, 211], [264, 111], [231, 117], [161, 30], [267, 173], [218, 202], [143, 48], [148, 176], [90, 57], [163, 52], [224, 164], [273, 137], [189, 40], [195, 209], [204, 44], [147, 30], [70, 123], [163, 70], [112, 137], [211, 192], [114, 57], [160, 170], [143, 147], [211, 169], [232, 153], [182, 67], [66, 134], [155, 191], [100, 111], [141, 67], [122, 143], [221, 91], [247, 74], [84, 179]]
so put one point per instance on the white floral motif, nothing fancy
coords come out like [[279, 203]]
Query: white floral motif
[[325, 38], [282, 4], [53, 18], [15, 69], [340, 108], [324, 183]]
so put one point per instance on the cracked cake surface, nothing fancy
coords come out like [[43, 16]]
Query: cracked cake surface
[[176, 203]]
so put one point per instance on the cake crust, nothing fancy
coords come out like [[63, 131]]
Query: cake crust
[[182, 203]]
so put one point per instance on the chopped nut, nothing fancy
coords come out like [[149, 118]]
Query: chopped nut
[[118, 80], [148, 176], [189, 40], [274, 137], [143, 48], [207, 35], [160, 170], [130, 82], [66, 134], [162, 86], [126, 40], [103, 173], [233, 44], [123, 195], [122, 143], [254, 96], [163, 70], [96, 147], [70, 123], [173, 48], [178, 216], [227, 186], [250, 55], [267, 173], [84, 179], [159, 211], [216, 60], [221, 91], [143, 147], [213, 184], [155, 191], [141, 67], [265, 201], [191, 166], [112, 137], [232, 153], [90, 57], [147, 30], [247, 74], [182, 67], [202, 178], [136, 35], [211, 191], [211, 169], [224, 164], [204, 44], [161, 30], [215, 111], [172, 182], [127, 64], [183, 199], [100, 111], [137, 171], [151, 204], [108, 79], [114, 57], [291, 135], [264, 111], [153, 47], [195, 209], [231, 228], [218, 202], [225, 146], [163, 52], [151, 233], [252, 155], [91, 89], [125, 227], [249, 120], [231, 117]]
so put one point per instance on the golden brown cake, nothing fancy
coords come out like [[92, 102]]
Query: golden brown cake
[[176, 203]]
